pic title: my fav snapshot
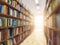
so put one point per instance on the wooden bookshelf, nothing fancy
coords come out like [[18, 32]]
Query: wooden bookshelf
[[14, 27], [53, 12], [52, 30]]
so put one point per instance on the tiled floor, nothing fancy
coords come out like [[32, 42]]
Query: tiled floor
[[36, 38]]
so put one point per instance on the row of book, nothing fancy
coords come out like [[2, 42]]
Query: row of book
[[22, 16], [12, 41], [7, 10], [10, 32], [25, 28], [13, 3], [23, 10], [9, 22]]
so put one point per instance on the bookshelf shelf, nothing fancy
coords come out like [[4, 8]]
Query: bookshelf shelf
[[15, 22], [10, 27], [52, 22], [8, 16], [15, 36]]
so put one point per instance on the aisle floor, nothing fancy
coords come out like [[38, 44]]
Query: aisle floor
[[36, 38]]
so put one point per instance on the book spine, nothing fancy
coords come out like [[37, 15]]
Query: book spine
[[0, 35], [0, 22]]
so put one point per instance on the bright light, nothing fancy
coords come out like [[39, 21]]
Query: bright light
[[39, 26], [38, 21], [36, 1], [38, 7]]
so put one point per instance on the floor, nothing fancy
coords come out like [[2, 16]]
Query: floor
[[36, 38]]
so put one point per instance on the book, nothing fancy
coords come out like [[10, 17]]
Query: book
[[0, 35], [17, 31], [13, 3], [6, 1], [5, 34], [15, 13], [21, 8], [8, 42], [11, 12], [17, 39], [1, 7], [8, 22], [21, 15], [0, 22], [19, 23], [11, 41], [4, 22], [10, 2], [4, 9], [14, 41], [21, 36], [10, 31]]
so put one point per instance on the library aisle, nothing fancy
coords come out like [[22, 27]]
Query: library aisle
[[37, 37]]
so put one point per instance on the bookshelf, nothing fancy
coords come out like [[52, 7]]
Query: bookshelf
[[52, 22], [15, 22]]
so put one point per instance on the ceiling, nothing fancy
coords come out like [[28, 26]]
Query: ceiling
[[32, 6]]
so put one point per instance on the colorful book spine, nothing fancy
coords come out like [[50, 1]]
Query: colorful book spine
[[4, 22], [15, 13], [8, 42]]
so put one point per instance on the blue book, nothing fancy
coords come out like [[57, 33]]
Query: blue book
[[10, 31], [8, 10], [1, 8]]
